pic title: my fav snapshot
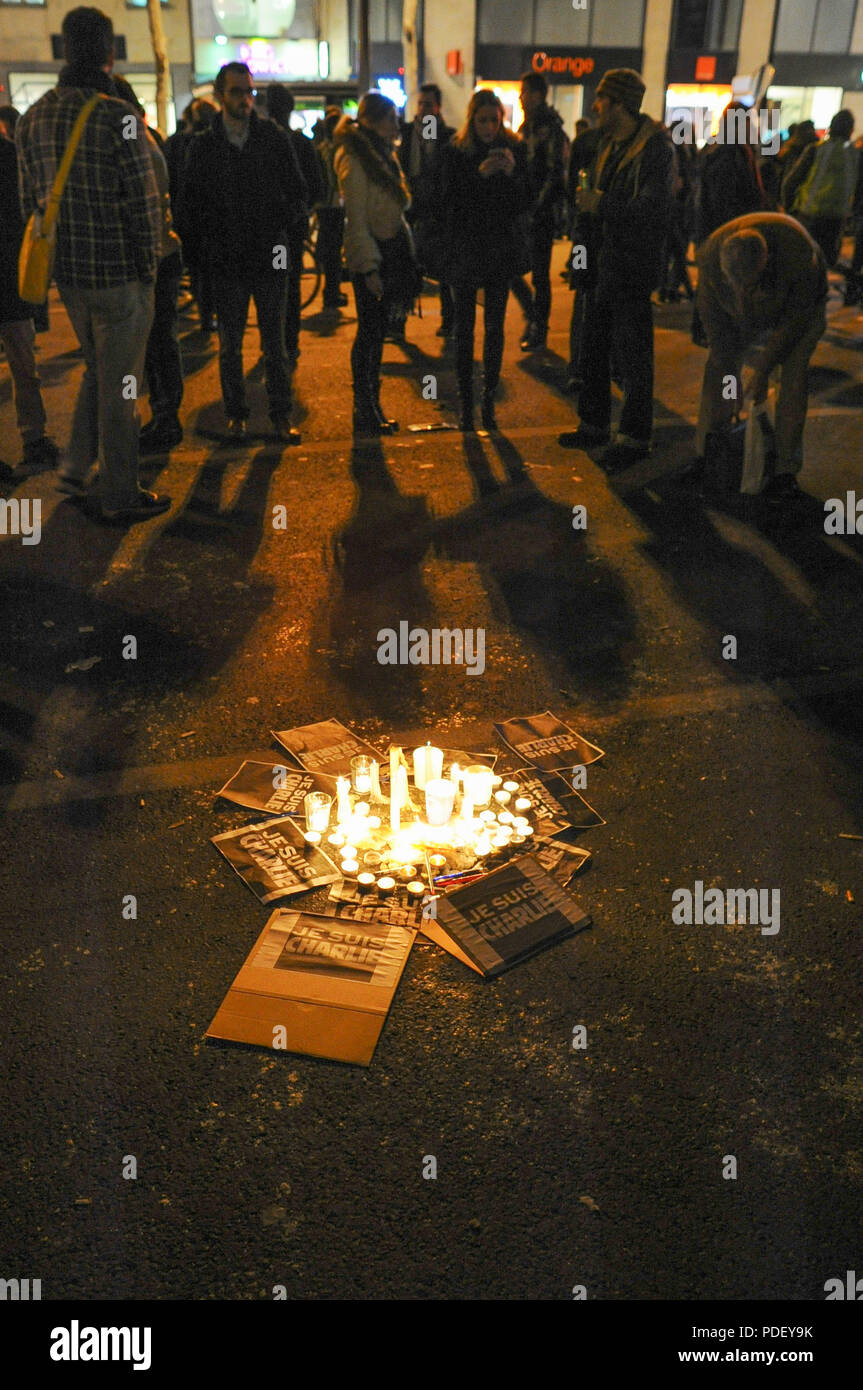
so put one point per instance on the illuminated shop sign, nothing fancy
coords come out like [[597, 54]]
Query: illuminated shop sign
[[297, 60], [560, 63]]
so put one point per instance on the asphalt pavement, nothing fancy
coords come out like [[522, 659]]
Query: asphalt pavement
[[557, 1166]]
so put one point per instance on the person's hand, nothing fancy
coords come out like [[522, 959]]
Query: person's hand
[[587, 199], [498, 161], [755, 383], [375, 284]]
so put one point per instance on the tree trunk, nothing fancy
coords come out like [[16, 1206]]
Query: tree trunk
[[157, 36], [410, 49]]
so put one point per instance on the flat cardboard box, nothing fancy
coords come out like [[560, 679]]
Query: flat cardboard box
[[316, 985]]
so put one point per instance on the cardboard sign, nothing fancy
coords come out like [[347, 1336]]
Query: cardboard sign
[[315, 985], [563, 861], [544, 742], [509, 915], [273, 859], [396, 909], [326, 747], [274, 788], [555, 804]]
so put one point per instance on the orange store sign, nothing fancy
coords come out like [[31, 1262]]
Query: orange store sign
[[550, 62]]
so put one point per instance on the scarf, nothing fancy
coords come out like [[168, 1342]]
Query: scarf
[[377, 159]]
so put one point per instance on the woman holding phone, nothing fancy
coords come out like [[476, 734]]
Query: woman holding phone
[[486, 205]]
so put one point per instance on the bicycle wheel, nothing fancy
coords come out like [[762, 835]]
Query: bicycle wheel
[[311, 277]]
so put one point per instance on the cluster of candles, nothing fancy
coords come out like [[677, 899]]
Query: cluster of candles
[[488, 833]]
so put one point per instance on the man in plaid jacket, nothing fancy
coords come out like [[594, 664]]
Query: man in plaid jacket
[[108, 243]]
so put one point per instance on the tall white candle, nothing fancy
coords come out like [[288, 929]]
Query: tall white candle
[[343, 811], [398, 797], [428, 764], [376, 792]]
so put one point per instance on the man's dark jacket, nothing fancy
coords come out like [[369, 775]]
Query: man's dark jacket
[[545, 142], [236, 205], [12, 309], [426, 189], [626, 236]]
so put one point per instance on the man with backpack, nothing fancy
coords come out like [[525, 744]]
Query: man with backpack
[[820, 186]]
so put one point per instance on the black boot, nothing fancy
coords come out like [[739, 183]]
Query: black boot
[[465, 412], [488, 420], [387, 426], [366, 419]]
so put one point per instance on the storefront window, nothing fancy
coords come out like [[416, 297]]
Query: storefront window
[[568, 28], [817, 104], [617, 24], [707, 24], [500, 21], [609, 24], [807, 27]]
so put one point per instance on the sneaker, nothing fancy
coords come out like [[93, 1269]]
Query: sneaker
[[585, 437], [148, 505], [40, 455], [236, 428], [782, 487], [282, 430], [160, 438], [621, 456]]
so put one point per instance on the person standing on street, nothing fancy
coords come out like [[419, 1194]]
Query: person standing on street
[[628, 208], [280, 106], [241, 198], [762, 280], [378, 246], [819, 188], [545, 141], [424, 140], [486, 196], [331, 215], [109, 237]]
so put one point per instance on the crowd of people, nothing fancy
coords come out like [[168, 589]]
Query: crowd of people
[[227, 199]]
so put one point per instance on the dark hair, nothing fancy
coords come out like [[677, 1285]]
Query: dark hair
[[222, 75], [9, 118], [484, 96], [125, 92], [88, 36], [842, 125], [535, 82], [200, 114], [280, 101], [432, 89], [374, 107], [582, 124]]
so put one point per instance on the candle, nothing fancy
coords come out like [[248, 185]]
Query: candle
[[365, 882], [349, 852], [395, 754], [361, 774], [374, 822], [337, 838], [483, 845], [487, 816], [428, 764], [362, 808], [407, 872], [440, 795], [496, 781], [416, 889], [375, 778], [349, 867], [317, 807], [372, 858], [438, 861], [502, 797], [455, 775], [522, 803], [343, 811], [510, 787], [398, 796], [478, 783], [500, 841], [517, 840], [505, 817], [312, 837], [386, 885], [467, 807]]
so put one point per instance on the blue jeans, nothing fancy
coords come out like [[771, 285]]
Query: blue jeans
[[112, 327]]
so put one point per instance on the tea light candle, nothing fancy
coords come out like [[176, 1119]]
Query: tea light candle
[[437, 861], [505, 817], [517, 840], [361, 774], [416, 889], [349, 852], [526, 831], [487, 816], [312, 837], [344, 804], [365, 882], [510, 787], [372, 858], [521, 823], [478, 783], [428, 764], [407, 872], [350, 867], [374, 822], [440, 795], [522, 803], [500, 842], [386, 884], [337, 838], [502, 797], [483, 845], [362, 808], [496, 781]]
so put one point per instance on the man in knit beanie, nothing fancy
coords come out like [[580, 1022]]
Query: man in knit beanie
[[623, 218]]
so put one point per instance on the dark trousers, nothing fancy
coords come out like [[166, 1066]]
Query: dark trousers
[[162, 362], [576, 330], [447, 305], [495, 293], [201, 285], [232, 295], [368, 345], [827, 232], [292, 300], [331, 226], [537, 306], [619, 324]]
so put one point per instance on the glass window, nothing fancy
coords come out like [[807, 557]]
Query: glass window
[[41, 3], [731, 24], [505, 21], [690, 23], [794, 26], [559, 24], [617, 24], [833, 26]]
